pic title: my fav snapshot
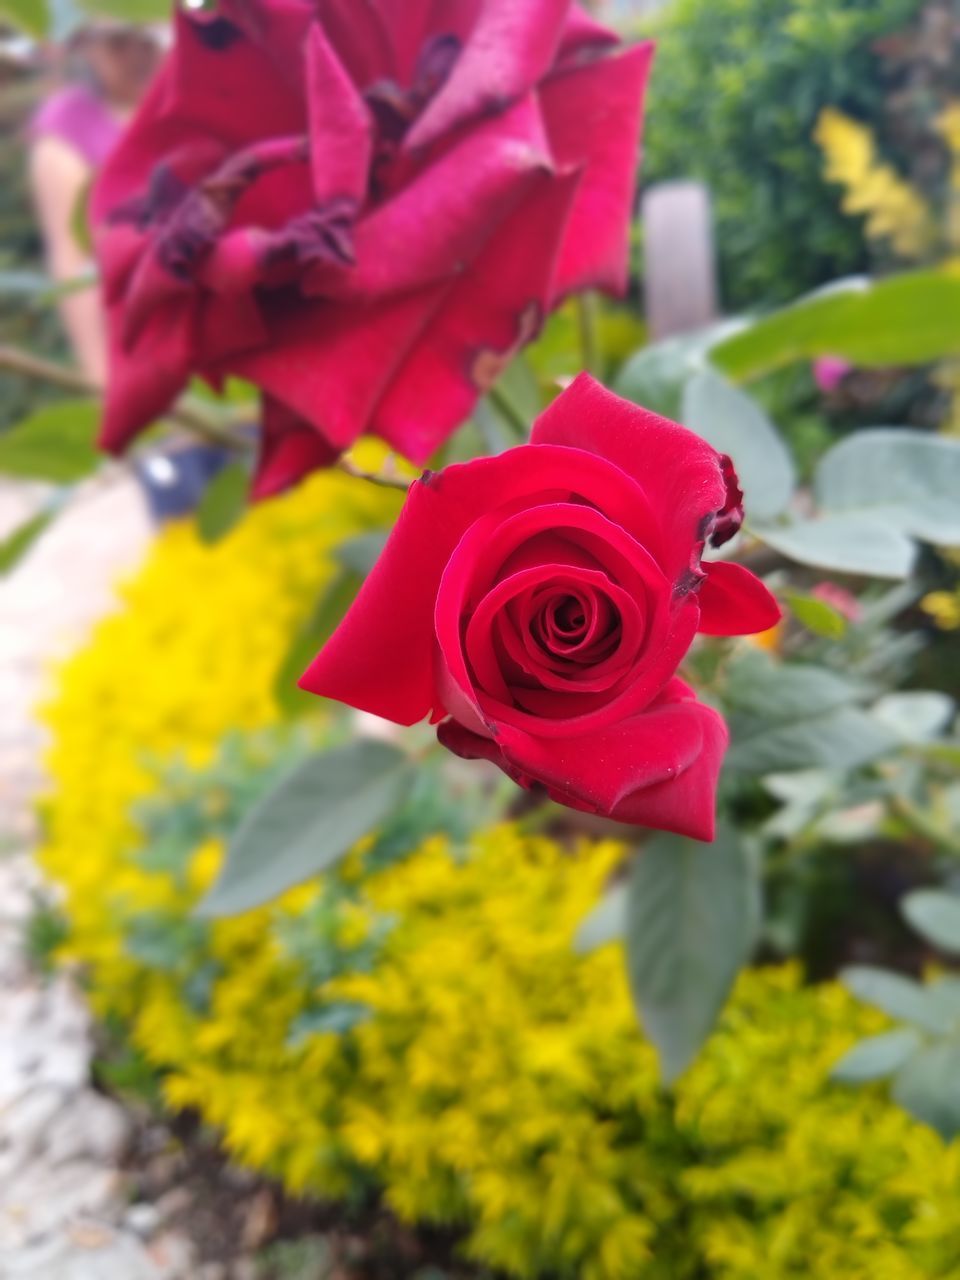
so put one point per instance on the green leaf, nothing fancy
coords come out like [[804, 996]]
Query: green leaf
[[56, 443], [310, 639], [907, 479], [776, 691], [846, 543], [876, 1057], [127, 10], [519, 384], [912, 318], [656, 375], [308, 822], [935, 914], [223, 503], [607, 922], [29, 16], [915, 716], [335, 1018], [15, 545], [928, 1086], [817, 616], [842, 739], [692, 918], [900, 997], [735, 424], [361, 552]]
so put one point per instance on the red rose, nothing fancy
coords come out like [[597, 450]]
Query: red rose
[[539, 603], [365, 207]]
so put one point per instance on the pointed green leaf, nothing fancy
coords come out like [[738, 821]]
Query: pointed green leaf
[[912, 318], [310, 820], [935, 914], [310, 639], [223, 503], [361, 552], [735, 424], [692, 920], [57, 443], [928, 1086], [847, 543], [605, 923], [16, 545], [901, 997], [907, 479], [876, 1057], [817, 616]]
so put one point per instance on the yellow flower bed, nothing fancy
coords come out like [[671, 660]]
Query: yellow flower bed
[[499, 1081]]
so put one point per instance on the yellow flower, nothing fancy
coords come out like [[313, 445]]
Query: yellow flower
[[893, 209]]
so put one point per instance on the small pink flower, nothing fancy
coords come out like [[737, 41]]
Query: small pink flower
[[840, 599], [829, 372]]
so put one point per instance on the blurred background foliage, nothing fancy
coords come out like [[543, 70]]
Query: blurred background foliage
[[737, 88], [419, 1023]]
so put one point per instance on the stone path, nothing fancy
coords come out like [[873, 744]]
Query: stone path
[[64, 1211]]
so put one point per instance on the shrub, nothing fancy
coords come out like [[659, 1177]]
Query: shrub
[[737, 87], [424, 1027]]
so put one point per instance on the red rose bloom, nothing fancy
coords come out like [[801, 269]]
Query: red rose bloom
[[365, 207], [539, 603]]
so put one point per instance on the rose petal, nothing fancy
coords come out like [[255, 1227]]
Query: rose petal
[[341, 127], [658, 769], [679, 473], [358, 31], [509, 48], [289, 448], [397, 603], [331, 363], [140, 390], [438, 223], [492, 311], [593, 114], [734, 602]]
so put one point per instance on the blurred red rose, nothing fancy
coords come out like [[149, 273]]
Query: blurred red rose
[[365, 207], [539, 603]]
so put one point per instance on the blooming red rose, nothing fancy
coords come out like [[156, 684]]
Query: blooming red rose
[[539, 603], [365, 207]]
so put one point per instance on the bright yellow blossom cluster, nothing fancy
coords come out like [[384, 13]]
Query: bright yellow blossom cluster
[[498, 1081], [894, 210]]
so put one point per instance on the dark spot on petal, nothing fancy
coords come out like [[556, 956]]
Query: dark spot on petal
[[218, 34], [689, 581], [730, 517], [164, 193]]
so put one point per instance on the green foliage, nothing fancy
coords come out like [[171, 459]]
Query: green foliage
[[16, 545], [737, 87], [310, 820], [692, 912], [224, 502], [735, 424], [911, 318], [56, 443]]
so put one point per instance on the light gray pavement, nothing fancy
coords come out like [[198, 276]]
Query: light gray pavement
[[64, 1209]]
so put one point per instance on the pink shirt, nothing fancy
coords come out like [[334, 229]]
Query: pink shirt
[[76, 115]]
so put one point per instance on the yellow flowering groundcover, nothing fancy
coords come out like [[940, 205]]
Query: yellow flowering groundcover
[[422, 1026]]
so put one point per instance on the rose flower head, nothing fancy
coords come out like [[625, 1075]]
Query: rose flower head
[[364, 207], [538, 604]]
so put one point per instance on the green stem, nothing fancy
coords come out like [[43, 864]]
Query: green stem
[[517, 419], [587, 326]]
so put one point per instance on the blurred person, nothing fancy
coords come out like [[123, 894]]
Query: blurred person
[[109, 66]]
